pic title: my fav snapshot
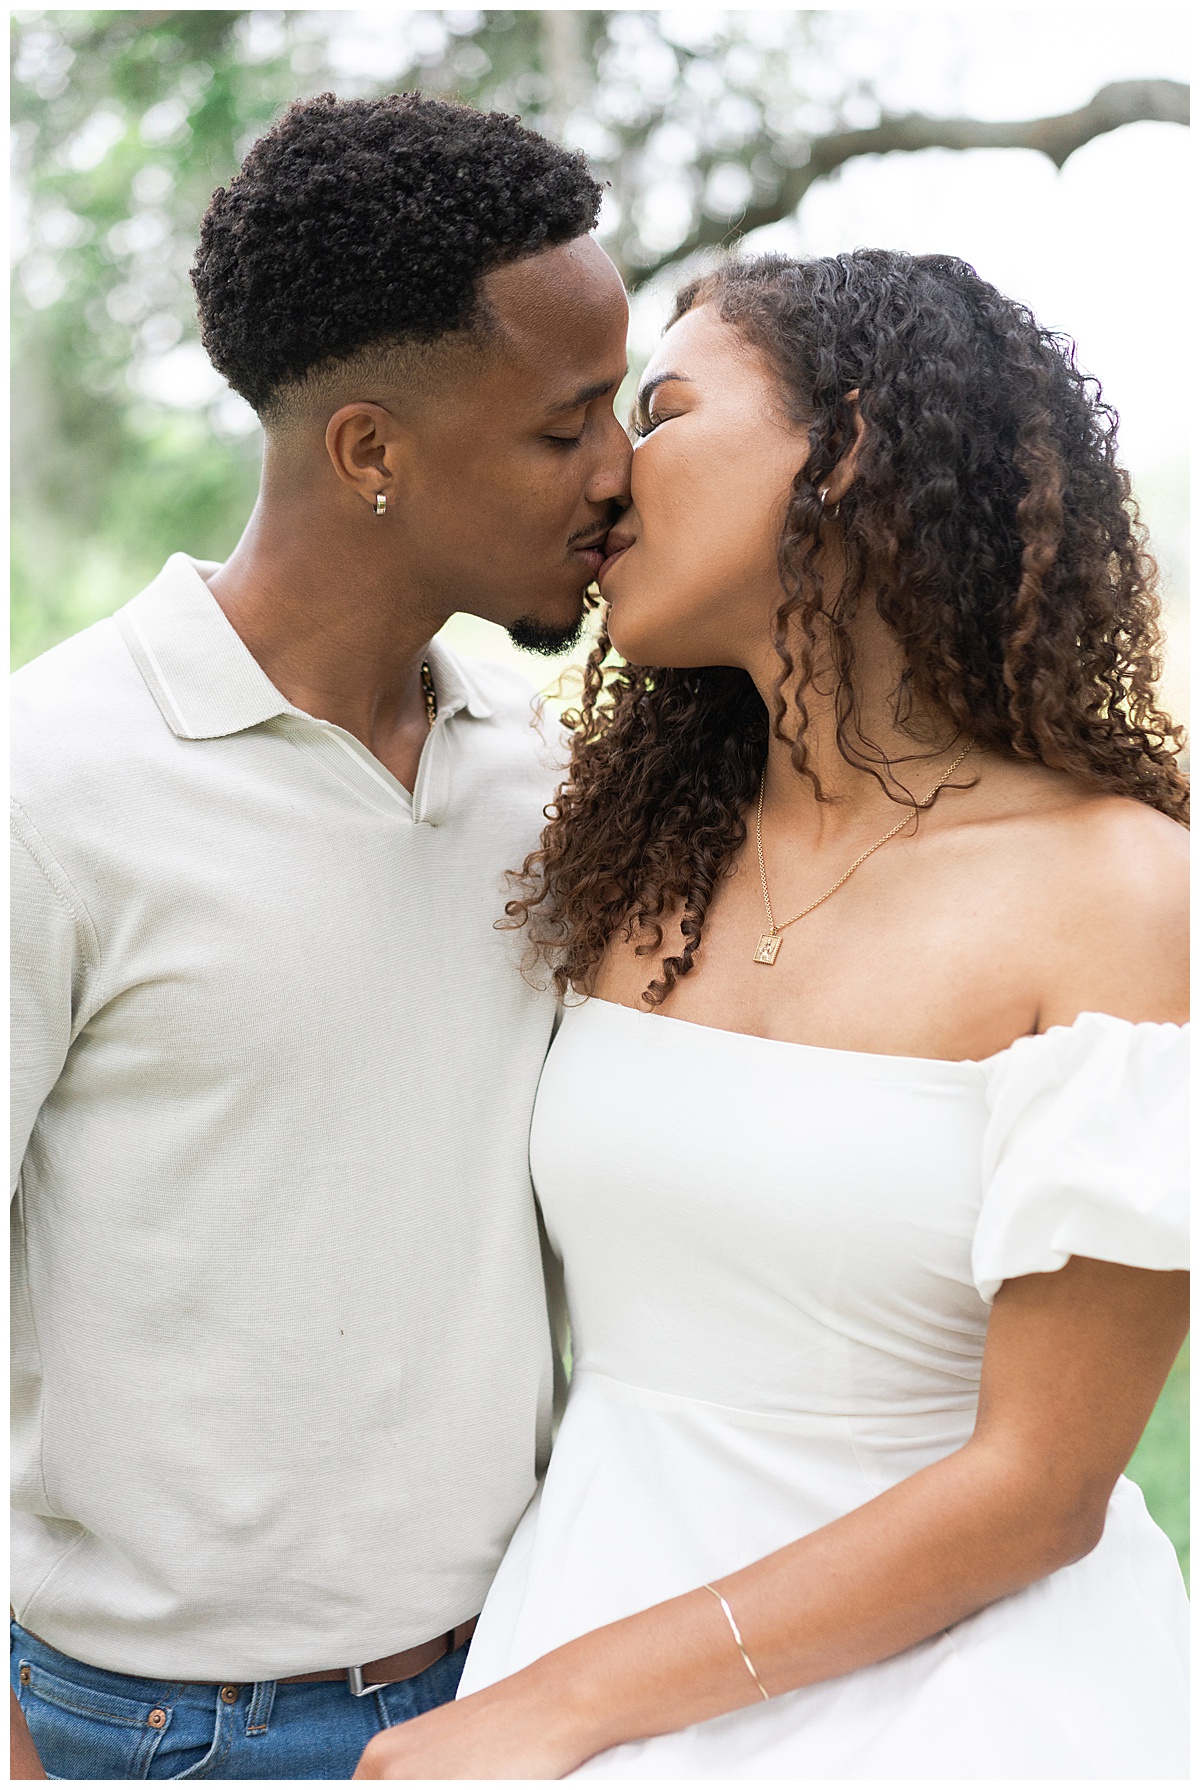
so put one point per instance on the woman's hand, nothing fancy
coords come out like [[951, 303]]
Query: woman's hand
[[509, 1730]]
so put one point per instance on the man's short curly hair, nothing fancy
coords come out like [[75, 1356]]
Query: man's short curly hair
[[362, 222]]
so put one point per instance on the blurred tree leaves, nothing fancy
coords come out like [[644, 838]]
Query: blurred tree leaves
[[123, 123], [126, 445]]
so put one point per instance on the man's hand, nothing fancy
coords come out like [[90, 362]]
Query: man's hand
[[23, 1762]]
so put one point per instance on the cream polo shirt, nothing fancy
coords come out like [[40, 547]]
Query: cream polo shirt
[[283, 1359]]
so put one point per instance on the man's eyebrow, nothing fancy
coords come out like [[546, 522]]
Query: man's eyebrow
[[646, 391], [586, 396]]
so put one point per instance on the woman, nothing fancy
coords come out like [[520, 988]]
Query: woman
[[863, 1152]]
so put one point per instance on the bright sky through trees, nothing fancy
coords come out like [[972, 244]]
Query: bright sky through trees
[[1096, 249]]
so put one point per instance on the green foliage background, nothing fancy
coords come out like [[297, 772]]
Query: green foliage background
[[125, 122], [1160, 1464]]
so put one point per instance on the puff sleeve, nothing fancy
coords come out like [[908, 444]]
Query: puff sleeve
[[1085, 1150]]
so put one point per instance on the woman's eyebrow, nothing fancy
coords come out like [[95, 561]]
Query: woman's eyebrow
[[646, 391]]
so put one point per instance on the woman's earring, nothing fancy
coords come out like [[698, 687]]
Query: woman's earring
[[381, 505], [823, 493]]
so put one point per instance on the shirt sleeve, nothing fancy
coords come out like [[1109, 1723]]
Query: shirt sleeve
[[53, 950], [1085, 1151]]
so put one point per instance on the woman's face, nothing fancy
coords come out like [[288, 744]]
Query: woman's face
[[698, 582]]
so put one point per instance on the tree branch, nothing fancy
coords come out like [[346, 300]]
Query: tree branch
[[1121, 102]]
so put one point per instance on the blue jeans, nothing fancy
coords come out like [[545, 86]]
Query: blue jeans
[[87, 1723]]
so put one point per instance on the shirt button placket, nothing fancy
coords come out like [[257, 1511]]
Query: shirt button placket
[[431, 792]]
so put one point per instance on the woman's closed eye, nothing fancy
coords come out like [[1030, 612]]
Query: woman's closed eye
[[645, 422], [648, 413]]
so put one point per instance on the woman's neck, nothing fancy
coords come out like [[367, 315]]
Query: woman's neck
[[909, 760]]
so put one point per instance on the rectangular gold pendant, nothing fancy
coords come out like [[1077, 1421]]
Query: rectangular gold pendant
[[768, 947]]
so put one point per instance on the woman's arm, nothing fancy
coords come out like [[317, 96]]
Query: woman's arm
[[23, 1762], [1072, 1366]]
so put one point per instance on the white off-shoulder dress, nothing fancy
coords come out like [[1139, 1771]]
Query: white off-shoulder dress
[[779, 1261]]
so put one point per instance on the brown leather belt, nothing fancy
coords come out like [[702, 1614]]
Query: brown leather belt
[[362, 1679], [396, 1667]]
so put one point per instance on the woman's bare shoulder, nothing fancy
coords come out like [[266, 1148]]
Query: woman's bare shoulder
[[1116, 851], [1075, 834], [1113, 885]]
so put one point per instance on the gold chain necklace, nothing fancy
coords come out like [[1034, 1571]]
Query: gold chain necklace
[[771, 940], [428, 692]]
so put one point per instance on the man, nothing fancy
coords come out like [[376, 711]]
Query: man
[[283, 1358]]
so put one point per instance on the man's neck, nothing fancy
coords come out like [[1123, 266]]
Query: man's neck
[[335, 637]]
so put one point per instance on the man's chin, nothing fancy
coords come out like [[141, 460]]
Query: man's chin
[[545, 638]]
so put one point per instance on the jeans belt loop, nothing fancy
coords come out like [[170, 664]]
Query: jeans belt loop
[[262, 1701]]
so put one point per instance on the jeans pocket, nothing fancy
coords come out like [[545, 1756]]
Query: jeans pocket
[[83, 1732], [198, 1743]]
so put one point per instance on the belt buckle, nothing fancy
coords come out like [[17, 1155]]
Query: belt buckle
[[354, 1678]]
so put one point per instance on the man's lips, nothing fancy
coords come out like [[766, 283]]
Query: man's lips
[[591, 549]]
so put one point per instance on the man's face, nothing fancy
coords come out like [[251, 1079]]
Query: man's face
[[517, 466]]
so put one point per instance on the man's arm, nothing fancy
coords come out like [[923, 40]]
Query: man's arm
[[53, 950], [52, 947]]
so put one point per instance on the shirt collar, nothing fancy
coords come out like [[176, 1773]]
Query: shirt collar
[[456, 684], [205, 679]]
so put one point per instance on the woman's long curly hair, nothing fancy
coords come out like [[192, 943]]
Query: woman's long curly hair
[[993, 529]]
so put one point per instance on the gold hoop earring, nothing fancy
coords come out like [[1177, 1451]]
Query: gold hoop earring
[[381, 505]]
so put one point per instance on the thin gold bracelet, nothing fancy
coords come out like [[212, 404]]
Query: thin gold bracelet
[[737, 1637]]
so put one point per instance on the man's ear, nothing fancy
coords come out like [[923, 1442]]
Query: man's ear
[[842, 476], [367, 448]]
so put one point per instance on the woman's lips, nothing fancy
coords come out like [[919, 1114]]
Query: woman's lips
[[614, 554]]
